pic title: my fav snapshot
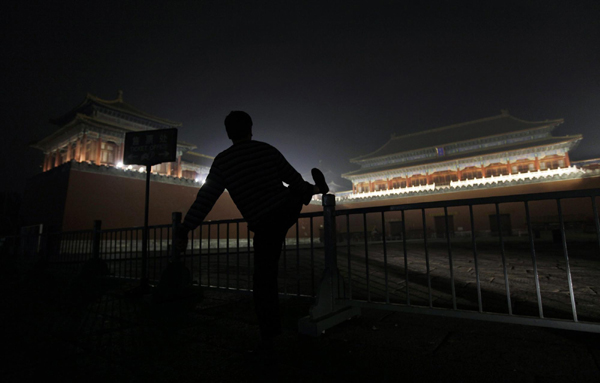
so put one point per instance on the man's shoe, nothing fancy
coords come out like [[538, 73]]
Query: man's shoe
[[319, 179]]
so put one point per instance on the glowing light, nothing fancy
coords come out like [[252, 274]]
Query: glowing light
[[539, 174], [517, 177], [383, 193], [119, 165]]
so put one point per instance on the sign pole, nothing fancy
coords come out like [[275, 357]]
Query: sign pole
[[147, 148], [144, 284]]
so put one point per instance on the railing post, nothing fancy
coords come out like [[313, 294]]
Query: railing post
[[96, 239], [175, 223], [92, 288], [45, 243], [330, 231], [175, 285], [331, 307]]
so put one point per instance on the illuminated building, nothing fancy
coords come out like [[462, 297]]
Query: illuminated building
[[94, 133], [495, 156], [486, 153], [83, 178]]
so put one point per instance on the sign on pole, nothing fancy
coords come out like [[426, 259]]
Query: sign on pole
[[150, 147]]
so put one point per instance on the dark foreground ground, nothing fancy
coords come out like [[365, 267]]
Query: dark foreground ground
[[49, 332]]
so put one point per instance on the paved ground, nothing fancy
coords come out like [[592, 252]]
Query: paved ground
[[52, 332]]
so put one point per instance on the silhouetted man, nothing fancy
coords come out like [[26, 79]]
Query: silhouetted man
[[253, 173]]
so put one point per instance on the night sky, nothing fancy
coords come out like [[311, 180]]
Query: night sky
[[324, 81]]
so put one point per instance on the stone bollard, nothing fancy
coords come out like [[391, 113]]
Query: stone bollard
[[331, 306], [175, 293]]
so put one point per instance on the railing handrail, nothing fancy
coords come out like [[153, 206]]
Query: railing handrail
[[475, 201]]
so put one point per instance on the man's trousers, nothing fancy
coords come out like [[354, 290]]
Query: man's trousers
[[269, 236]]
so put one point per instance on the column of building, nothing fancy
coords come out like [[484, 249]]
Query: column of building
[[98, 157], [46, 165], [70, 151], [179, 170], [121, 155], [83, 148]]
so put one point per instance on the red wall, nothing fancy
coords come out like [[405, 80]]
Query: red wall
[[119, 202], [77, 198], [539, 211]]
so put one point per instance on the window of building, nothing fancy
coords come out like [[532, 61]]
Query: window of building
[[88, 150], [107, 153], [497, 171], [188, 174], [470, 173], [380, 187], [523, 168], [552, 164], [397, 184], [416, 181], [444, 179], [362, 188]]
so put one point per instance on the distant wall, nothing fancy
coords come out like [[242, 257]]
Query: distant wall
[[119, 202], [543, 214], [70, 198]]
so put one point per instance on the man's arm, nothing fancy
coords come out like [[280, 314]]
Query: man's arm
[[205, 200]]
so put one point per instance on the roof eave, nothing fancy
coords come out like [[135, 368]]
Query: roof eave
[[360, 159], [575, 139]]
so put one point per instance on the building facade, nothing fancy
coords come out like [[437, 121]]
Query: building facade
[[489, 151], [495, 156], [84, 179], [94, 132]]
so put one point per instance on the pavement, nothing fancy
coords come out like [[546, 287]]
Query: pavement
[[50, 330]]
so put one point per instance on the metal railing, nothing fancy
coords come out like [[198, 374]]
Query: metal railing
[[545, 279], [525, 259], [220, 254]]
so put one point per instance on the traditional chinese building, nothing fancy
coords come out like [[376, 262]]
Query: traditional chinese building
[[495, 156], [83, 177], [94, 133], [489, 152]]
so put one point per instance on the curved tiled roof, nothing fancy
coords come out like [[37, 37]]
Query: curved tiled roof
[[118, 104], [466, 131], [197, 158], [474, 153]]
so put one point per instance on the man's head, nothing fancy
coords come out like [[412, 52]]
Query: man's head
[[238, 125]]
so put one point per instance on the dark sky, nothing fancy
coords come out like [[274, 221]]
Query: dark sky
[[324, 81]]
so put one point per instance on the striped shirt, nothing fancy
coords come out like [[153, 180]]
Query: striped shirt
[[252, 172]]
